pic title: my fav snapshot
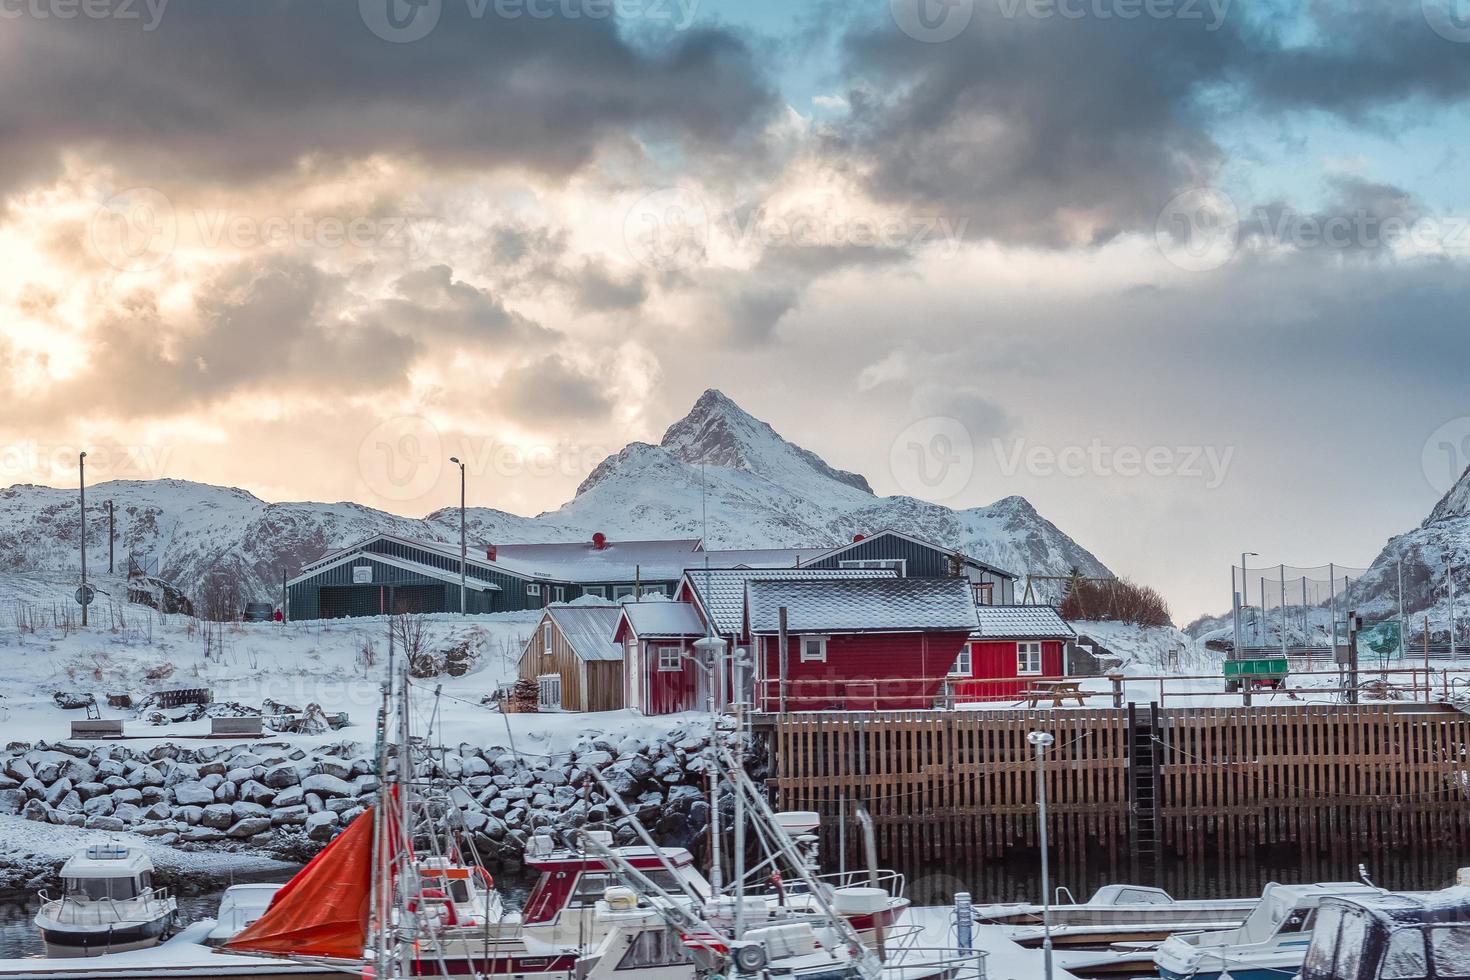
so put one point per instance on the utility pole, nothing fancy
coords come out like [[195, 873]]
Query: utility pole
[[111, 536], [1402, 625], [463, 609], [1354, 624], [82, 491], [1042, 740], [1454, 653], [1332, 588], [1235, 601], [1283, 610]]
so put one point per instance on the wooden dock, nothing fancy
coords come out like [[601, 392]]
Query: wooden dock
[[1164, 777]]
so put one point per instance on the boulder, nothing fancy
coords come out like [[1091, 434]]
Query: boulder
[[98, 806], [104, 823], [219, 816], [326, 785], [250, 826], [145, 776], [256, 792], [202, 835], [322, 826], [226, 793], [289, 816], [243, 810], [131, 812], [12, 801], [290, 796], [281, 777], [193, 793]]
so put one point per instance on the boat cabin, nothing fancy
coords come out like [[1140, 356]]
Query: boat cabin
[[1392, 937], [107, 872], [563, 903]]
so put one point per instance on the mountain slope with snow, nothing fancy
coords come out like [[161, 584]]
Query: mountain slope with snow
[[756, 488]]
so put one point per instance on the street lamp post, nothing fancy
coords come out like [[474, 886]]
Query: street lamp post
[[1043, 740], [1245, 592], [82, 490], [463, 609]]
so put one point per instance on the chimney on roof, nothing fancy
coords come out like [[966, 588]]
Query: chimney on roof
[[599, 540], [858, 537], [490, 551]]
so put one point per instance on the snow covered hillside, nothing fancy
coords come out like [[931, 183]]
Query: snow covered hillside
[[760, 491]]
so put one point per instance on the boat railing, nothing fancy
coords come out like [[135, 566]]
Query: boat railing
[[73, 911], [907, 957], [1064, 892], [890, 881]]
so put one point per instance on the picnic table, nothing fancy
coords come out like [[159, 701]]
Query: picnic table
[[1057, 691]]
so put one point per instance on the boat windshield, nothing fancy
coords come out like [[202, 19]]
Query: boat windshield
[[1451, 948], [100, 889], [1324, 942]]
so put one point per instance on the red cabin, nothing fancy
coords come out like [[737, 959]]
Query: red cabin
[[660, 676], [861, 644], [1018, 645]]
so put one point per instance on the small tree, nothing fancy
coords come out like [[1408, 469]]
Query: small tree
[[1114, 600]]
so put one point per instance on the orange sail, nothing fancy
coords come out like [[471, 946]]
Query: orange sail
[[324, 910]]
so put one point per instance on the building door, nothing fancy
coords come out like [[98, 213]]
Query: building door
[[548, 689]]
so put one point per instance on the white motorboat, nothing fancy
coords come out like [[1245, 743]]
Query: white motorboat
[[1115, 914], [108, 904], [239, 906], [1270, 944]]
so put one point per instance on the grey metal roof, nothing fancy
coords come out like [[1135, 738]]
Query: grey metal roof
[[868, 539], [1021, 622], [663, 618], [588, 629], [764, 557], [724, 598], [581, 561], [863, 605]]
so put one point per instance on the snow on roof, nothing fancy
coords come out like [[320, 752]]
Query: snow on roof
[[977, 563], [764, 557], [722, 590], [358, 554], [582, 561], [663, 618], [588, 628], [863, 605], [1021, 622]]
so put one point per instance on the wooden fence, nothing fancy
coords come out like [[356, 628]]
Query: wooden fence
[[1214, 765]]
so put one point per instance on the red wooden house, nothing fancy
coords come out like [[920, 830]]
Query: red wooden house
[[660, 676], [1013, 647], [861, 644]]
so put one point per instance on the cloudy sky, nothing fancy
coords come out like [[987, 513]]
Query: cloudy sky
[[1188, 274]]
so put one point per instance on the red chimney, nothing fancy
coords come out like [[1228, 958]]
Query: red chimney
[[490, 551], [858, 537], [599, 540]]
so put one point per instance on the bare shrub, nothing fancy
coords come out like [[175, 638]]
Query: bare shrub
[[1118, 600]]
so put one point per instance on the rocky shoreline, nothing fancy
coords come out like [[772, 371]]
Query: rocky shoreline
[[273, 798]]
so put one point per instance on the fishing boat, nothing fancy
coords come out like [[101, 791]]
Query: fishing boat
[[1269, 945], [108, 904], [1422, 936], [1134, 914]]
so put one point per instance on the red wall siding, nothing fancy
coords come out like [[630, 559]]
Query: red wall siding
[[997, 658], [669, 691], [863, 671]]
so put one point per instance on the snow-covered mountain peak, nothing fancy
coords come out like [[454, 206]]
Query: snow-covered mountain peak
[[1453, 505], [718, 432]]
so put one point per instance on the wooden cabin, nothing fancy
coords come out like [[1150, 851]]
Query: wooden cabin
[[574, 659], [860, 644], [1026, 643]]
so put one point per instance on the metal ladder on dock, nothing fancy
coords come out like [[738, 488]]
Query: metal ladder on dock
[[1143, 788]]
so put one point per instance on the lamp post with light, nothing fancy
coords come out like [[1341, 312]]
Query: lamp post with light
[[82, 490], [1043, 741], [463, 608]]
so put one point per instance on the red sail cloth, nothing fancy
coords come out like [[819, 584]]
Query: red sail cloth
[[324, 910]]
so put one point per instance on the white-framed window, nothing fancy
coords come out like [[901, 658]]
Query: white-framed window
[[655, 590], [598, 590], [548, 691], [558, 593], [984, 593], [963, 664], [533, 588], [670, 658], [622, 591], [813, 649], [899, 565], [1028, 657], [546, 638]]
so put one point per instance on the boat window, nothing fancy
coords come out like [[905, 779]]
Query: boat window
[[99, 889], [1451, 948], [1350, 941], [1405, 959], [591, 885], [1143, 896], [145, 880], [1299, 920], [655, 947], [1324, 943], [459, 889]]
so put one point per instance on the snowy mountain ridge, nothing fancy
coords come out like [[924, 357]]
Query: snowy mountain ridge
[[757, 489]]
